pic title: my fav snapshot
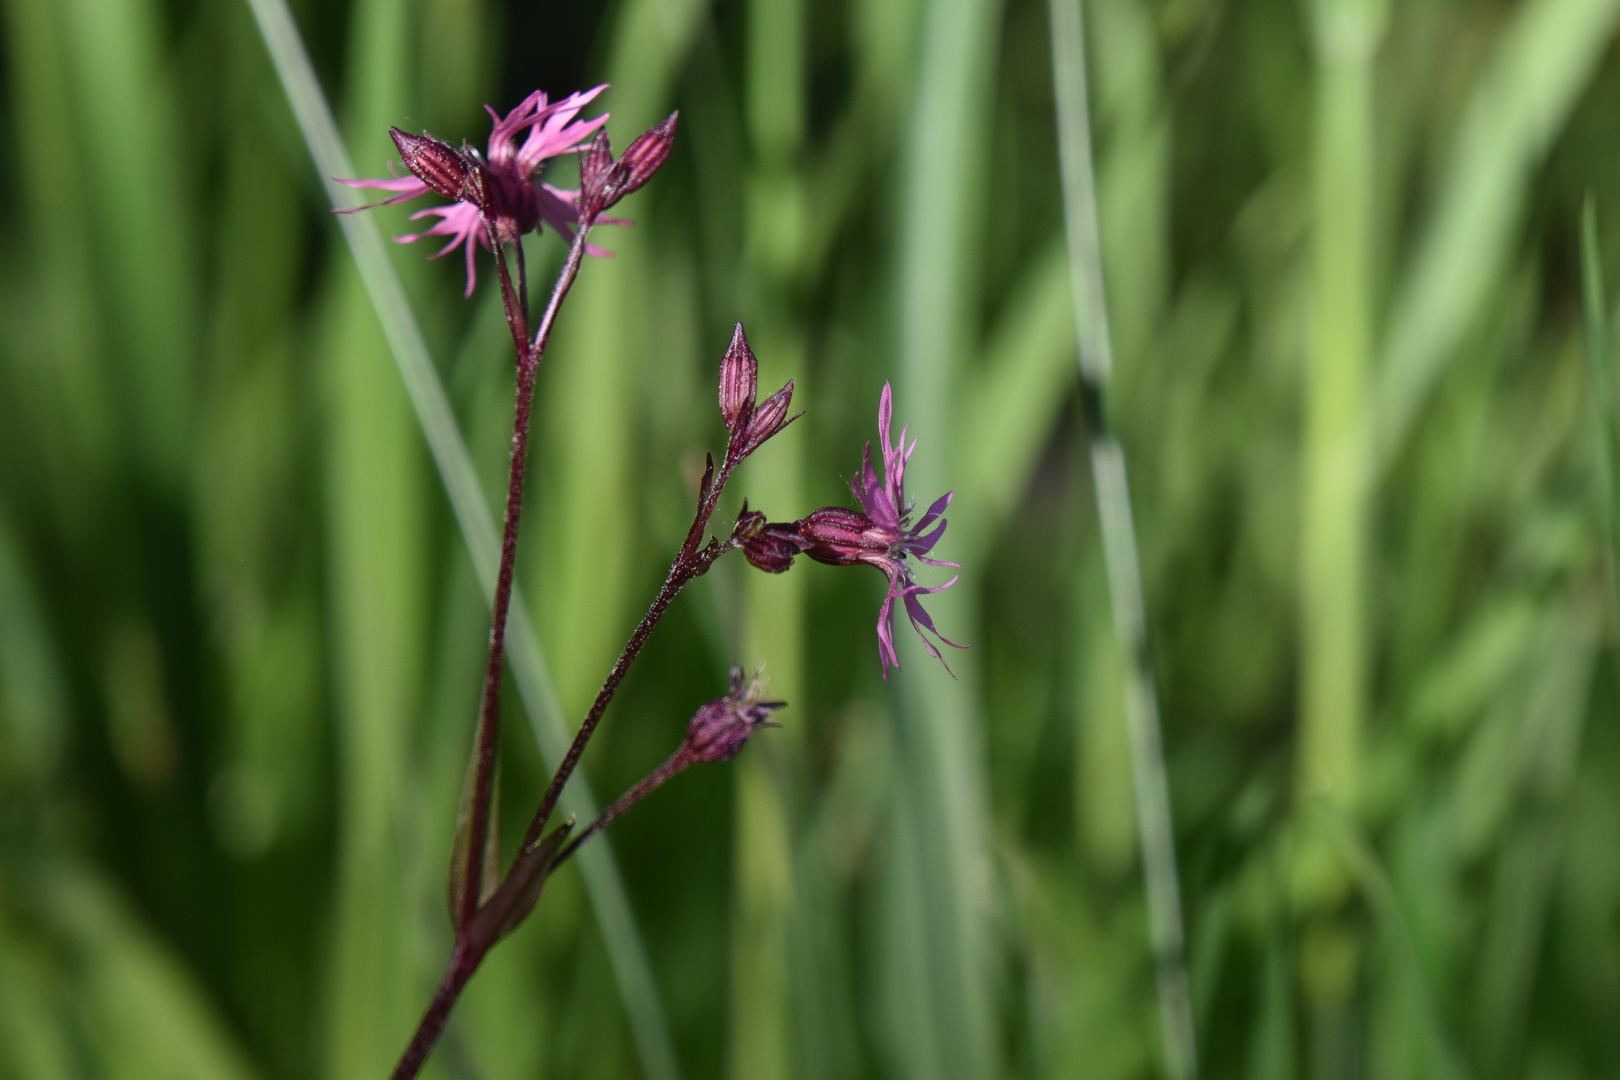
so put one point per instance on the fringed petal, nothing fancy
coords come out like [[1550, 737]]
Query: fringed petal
[[463, 224], [936, 508], [405, 189], [885, 631], [557, 132]]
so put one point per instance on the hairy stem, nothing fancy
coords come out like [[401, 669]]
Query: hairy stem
[[528, 364], [456, 973], [676, 762], [690, 563]]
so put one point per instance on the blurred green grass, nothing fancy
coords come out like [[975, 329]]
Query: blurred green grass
[[239, 633]]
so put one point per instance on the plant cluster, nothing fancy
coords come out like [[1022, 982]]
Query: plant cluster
[[496, 199]]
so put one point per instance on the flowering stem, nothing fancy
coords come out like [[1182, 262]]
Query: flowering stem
[[692, 562], [456, 973], [677, 762], [529, 354]]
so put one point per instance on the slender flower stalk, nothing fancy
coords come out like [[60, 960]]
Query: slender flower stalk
[[482, 911], [497, 202], [469, 875], [750, 426], [716, 733]]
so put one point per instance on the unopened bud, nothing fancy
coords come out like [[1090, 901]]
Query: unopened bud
[[646, 154], [769, 418], [772, 548], [719, 729], [739, 381], [603, 181], [749, 524], [437, 164], [594, 162]]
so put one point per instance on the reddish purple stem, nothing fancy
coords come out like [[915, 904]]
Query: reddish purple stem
[[463, 961], [529, 354], [692, 562], [456, 974]]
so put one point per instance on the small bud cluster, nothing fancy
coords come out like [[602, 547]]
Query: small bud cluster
[[749, 423], [603, 181]]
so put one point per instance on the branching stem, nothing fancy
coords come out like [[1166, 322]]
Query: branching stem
[[694, 559], [529, 354], [692, 562]]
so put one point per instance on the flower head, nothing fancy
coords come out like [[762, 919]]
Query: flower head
[[500, 189], [719, 729], [880, 534]]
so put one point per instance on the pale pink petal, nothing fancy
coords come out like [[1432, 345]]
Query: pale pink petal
[[555, 131], [405, 188], [503, 134], [558, 208], [463, 224]]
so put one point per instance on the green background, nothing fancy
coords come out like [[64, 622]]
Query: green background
[[241, 637]]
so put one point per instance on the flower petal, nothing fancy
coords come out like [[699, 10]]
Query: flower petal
[[558, 209], [503, 135], [922, 545], [915, 612], [885, 630], [936, 508], [463, 224], [405, 189], [555, 131]]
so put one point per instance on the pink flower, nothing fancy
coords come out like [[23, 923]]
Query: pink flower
[[504, 184], [879, 534]]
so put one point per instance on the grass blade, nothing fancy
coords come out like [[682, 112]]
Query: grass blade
[[1545, 56], [132, 146], [1379, 893], [612, 906], [939, 995], [1600, 370], [376, 506], [1154, 821]]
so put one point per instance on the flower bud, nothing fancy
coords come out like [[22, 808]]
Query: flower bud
[[749, 525], [594, 162], [772, 548], [603, 181], [739, 381], [645, 155], [719, 729], [767, 419], [437, 164]]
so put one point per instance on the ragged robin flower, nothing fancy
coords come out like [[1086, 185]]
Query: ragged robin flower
[[880, 534], [502, 187]]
